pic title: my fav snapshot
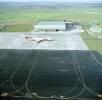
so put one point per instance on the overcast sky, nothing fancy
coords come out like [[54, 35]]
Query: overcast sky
[[76, 1]]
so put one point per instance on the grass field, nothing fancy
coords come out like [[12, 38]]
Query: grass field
[[92, 43], [22, 20]]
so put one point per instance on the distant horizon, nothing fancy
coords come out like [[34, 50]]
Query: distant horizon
[[58, 1]]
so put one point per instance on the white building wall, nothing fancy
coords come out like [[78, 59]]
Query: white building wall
[[49, 27]]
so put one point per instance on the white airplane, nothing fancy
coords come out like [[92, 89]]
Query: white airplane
[[38, 40]]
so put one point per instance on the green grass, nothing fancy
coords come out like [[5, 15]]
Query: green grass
[[92, 43], [84, 16], [18, 27]]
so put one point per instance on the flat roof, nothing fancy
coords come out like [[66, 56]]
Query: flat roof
[[51, 22]]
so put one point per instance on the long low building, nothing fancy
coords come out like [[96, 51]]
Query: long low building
[[56, 25]]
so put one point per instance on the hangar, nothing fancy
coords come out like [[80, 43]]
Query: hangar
[[55, 25]]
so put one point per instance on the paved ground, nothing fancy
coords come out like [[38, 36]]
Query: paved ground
[[50, 72], [62, 41]]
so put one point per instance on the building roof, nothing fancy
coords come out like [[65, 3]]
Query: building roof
[[53, 25], [50, 25], [51, 22]]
